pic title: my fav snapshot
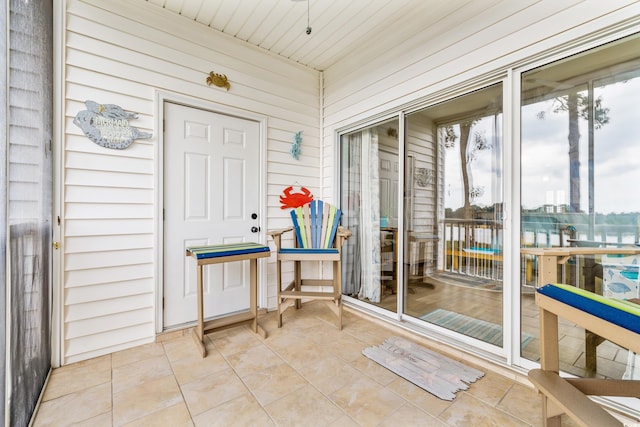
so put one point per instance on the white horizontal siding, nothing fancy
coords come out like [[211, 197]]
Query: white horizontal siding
[[443, 55], [494, 37], [121, 52]]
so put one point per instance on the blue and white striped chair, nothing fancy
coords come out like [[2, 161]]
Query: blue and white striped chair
[[317, 237]]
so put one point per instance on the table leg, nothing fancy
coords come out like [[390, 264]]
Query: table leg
[[547, 270], [200, 328], [253, 274]]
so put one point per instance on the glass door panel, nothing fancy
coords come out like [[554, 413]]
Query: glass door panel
[[453, 215], [579, 171], [369, 200]]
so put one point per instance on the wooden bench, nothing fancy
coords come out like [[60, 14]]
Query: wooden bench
[[569, 395]]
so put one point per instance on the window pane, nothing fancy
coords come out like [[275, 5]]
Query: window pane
[[580, 170], [369, 201], [453, 211]]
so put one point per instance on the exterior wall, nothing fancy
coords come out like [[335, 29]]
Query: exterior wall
[[121, 52], [496, 36]]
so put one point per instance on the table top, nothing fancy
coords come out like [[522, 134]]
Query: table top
[[249, 249], [570, 250]]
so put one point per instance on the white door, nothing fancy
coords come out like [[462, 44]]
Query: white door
[[211, 178]]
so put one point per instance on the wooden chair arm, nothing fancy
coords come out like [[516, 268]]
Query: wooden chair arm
[[343, 232], [279, 232]]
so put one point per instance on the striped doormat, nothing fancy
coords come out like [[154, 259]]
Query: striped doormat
[[470, 326], [431, 371]]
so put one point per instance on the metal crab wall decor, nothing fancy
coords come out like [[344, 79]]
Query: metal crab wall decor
[[219, 80], [289, 199]]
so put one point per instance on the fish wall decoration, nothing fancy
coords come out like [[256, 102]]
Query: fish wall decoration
[[108, 125]]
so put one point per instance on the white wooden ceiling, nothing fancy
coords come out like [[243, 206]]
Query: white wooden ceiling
[[338, 27]]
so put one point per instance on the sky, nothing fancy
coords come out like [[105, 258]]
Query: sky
[[545, 161]]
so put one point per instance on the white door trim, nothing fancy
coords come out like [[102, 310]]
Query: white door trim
[[160, 98]]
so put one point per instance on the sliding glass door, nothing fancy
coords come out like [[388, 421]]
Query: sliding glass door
[[453, 215], [444, 258]]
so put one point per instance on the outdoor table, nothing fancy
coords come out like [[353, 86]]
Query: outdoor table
[[550, 258], [216, 254]]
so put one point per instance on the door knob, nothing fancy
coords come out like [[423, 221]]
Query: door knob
[[254, 216], [255, 229]]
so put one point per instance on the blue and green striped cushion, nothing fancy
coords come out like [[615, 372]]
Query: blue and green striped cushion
[[619, 312], [229, 249]]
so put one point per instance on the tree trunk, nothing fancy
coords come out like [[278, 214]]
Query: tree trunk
[[465, 130], [574, 153]]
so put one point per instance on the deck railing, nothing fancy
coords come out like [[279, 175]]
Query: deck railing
[[472, 248]]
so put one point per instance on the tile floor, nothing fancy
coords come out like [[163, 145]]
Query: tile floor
[[305, 374]]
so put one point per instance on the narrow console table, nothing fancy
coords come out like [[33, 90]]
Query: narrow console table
[[550, 258], [216, 254]]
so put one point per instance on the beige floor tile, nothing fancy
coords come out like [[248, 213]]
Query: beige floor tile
[[235, 340], [140, 372], [75, 407], [409, 415], [345, 347], [466, 411], [420, 398], [307, 373], [304, 407], [137, 354], [283, 339], [254, 359], [523, 402], [209, 392], [75, 378], [192, 367], [367, 401], [94, 362], [243, 411], [345, 421], [185, 346], [491, 388], [302, 353], [174, 416], [102, 420], [273, 383], [330, 374], [307, 317], [145, 399]]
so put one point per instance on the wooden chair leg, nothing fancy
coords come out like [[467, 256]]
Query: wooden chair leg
[[547, 419], [298, 281], [337, 290], [279, 285]]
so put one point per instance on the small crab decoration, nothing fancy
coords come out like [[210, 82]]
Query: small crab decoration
[[219, 80], [294, 200]]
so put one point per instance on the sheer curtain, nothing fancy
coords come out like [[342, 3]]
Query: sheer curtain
[[361, 203]]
